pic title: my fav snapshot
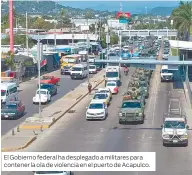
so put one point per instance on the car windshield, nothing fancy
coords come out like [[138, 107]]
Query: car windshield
[[45, 86], [96, 106], [112, 74], [166, 71], [67, 67], [92, 67], [42, 92], [76, 69], [11, 106], [111, 84], [104, 91], [3, 93], [131, 105], [49, 172], [100, 96], [46, 77], [174, 124]]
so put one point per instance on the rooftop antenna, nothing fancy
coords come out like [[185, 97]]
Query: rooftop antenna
[[121, 7]]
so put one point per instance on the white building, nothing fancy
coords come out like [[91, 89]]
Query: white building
[[114, 23], [83, 22]]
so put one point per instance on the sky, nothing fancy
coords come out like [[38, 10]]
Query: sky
[[130, 6]]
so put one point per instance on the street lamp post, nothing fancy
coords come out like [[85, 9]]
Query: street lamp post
[[88, 45], [120, 46], [39, 73]]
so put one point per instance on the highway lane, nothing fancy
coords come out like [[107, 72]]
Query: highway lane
[[27, 91]]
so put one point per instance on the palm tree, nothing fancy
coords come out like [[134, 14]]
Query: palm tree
[[88, 15], [10, 62], [182, 18]]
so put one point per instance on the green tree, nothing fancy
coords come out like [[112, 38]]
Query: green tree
[[18, 40], [10, 61], [62, 15], [182, 19], [40, 23]]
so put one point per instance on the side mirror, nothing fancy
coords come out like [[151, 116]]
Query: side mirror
[[161, 126], [187, 127]]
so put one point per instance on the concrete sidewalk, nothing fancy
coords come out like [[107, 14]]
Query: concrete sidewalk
[[28, 131]]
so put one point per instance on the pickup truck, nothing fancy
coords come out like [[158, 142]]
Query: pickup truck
[[175, 131], [131, 111], [50, 80]]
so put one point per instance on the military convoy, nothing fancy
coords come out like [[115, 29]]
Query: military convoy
[[134, 99]]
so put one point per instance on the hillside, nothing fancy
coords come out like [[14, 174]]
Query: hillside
[[49, 8], [163, 11]]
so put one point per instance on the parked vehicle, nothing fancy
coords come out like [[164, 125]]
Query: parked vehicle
[[92, 69], [12, 110], [48, 79], [50, 87], [8, 92], [44, 96]]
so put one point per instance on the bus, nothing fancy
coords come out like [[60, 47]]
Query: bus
[[69, 61]]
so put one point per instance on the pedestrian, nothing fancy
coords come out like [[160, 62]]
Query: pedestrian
[[89, 88]]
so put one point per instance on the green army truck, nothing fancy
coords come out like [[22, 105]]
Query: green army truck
[[131, 111]]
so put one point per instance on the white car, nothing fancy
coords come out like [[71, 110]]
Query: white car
[[96, 110], [105, 90], [92, 69], [45, 96], [112, 85], [53, 173]]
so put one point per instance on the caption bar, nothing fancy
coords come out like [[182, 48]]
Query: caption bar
[[79, 161]]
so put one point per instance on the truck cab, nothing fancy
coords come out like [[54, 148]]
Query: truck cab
[[175, 131], [166, 74], [131, 111]]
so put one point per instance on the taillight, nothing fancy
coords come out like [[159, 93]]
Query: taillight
[[116, 89]]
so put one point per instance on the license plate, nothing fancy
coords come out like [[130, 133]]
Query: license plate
[[175, 141], [6, 116]]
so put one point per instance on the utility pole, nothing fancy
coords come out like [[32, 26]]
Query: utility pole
[[73, 31], [107, 40], [120, 46], [27, 40], [88, 45], [39, 73], [55, 39]]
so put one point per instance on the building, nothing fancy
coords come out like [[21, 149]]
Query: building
[[115, 24], [82, 22]]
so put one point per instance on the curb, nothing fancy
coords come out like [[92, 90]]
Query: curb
[[47, 126], [51, 124], [19, 148]]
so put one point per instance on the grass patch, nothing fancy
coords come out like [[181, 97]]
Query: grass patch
[[174, 52]]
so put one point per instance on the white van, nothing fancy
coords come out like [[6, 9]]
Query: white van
[[79, 71], [8, 92], [112, 73], [166, 74]]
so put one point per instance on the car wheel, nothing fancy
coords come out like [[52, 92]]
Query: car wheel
[[164, 144], [120, 122], [186, 144]]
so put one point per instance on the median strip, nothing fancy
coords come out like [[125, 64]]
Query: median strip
[[20, 137]]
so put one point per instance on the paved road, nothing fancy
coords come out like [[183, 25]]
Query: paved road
[[79, 135], [27, 91]]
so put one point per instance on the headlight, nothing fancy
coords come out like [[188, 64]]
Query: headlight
[[100, 113], [120, 114], [88, 113], [185, 136], [166, 136]]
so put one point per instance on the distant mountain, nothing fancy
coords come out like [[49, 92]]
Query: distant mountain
[[162, 11], [49, 8]]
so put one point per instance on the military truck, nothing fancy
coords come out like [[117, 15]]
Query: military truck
[[131, 110], [141, 88]]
